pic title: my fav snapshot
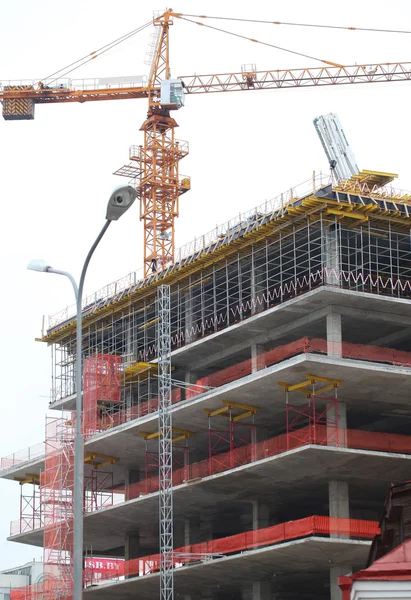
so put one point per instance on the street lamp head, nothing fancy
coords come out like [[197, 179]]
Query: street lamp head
[[120, 200], [38, 265]]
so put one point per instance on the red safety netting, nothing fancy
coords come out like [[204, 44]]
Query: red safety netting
[[98, 422], [95, 569], [305, 345], [44, 590], [110, 420], [102, 381], [361, 352], [315, 525], [318, 435]]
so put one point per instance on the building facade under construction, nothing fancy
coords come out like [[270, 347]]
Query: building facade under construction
[[291, 370]]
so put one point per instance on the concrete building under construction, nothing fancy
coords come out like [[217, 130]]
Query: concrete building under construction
[[291, 357]]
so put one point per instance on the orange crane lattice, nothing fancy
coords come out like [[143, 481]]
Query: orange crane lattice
[[154, 166]]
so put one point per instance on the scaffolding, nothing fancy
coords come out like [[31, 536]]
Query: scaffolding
[[226, 445], [330, 238], [102, 382], [314, 421], [57, 496], [180, 459]]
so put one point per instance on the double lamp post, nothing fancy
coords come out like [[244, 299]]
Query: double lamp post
[[120, 201]]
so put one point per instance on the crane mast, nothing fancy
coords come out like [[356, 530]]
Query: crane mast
[[154, 166]]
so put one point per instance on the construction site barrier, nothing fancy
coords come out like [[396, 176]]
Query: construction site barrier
[[302, 346], [311, 435], [265, 359], [234, 544], [95, 570], [249, 540], [33, 516]]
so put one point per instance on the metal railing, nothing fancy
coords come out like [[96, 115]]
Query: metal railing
[[7, 462], [198, 244], [95, 83], [238, 225]]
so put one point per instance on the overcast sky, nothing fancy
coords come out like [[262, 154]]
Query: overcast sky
[[244, 148]]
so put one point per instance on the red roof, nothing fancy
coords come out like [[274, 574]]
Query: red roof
[[396, 565], [398, 561]]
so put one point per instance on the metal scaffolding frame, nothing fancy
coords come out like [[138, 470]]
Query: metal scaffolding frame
[[165, 445], [315, 250], [316, 420]]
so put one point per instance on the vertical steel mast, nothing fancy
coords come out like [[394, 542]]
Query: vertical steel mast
[[155, 164], [165, 445]]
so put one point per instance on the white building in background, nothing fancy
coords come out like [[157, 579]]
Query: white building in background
[[31, 572]]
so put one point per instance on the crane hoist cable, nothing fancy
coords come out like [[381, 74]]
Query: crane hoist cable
[[96, 53], [370, 29], [327, 62]]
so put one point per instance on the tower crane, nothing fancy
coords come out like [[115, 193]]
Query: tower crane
[[154, 165]]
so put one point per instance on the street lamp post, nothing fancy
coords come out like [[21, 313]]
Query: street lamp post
[[120, 200]]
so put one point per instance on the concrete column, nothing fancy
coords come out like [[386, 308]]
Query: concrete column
[[331, 259], [257, 435], [335, 572], [338, 502], [258, 287], [192, 534], [246, 592], [191, 335], [257, 357], [262, 590], [339, 437], [261, 518], [131, 476], [334, 333], [129, 357], [132, 546], [206, 530]]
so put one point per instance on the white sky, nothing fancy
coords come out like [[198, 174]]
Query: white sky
[[244, 148]]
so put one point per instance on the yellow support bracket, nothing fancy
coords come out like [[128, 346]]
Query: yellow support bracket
[[247, 407], [299, 387], [141, 368], [104, 464], [182, 434], [325, 389], [33, 478], [311, 380], [217, 411], [91, 456], [148, 436], [179, 438], [315, 378], [345, 213], [244, 415]]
